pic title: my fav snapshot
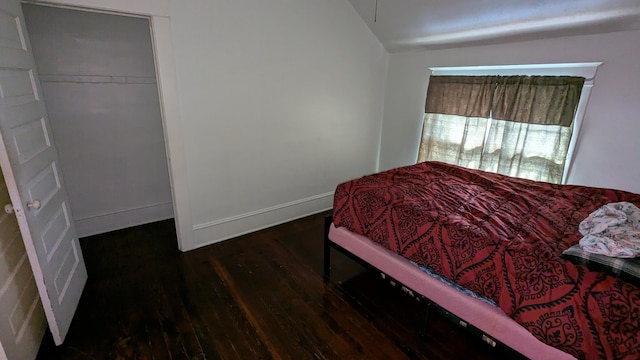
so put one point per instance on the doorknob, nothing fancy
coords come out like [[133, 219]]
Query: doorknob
[[35, 204], [8, 208]]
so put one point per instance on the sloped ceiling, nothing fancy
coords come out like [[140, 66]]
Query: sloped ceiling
[[414, 24]]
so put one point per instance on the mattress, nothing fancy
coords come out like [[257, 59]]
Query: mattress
[[503, 239], [487, 318]]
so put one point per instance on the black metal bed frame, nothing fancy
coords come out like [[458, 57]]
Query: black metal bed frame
[[429, 304]]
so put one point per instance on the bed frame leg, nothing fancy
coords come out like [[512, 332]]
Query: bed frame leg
[[425, 324], [327, 248]]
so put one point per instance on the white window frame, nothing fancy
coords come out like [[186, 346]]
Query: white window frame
[[587, 70]]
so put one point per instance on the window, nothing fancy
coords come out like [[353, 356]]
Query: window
[[519, 121]]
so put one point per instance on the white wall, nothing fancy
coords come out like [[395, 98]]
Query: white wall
[[277, 102], [281, 101], [608, 148], [99, 83]]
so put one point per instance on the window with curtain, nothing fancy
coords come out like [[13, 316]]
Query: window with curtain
[[519, 126]]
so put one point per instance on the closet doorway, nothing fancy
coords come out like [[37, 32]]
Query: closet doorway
[[98, 77]]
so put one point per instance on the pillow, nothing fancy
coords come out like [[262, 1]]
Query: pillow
[[626, 269]]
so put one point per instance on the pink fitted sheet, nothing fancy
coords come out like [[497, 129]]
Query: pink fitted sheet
[[489, 319]]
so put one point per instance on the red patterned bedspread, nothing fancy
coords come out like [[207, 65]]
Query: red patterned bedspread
[[502, 238]]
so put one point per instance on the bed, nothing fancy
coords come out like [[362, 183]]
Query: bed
[[488, 249]]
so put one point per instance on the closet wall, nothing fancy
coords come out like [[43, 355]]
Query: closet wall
[[98, 78]]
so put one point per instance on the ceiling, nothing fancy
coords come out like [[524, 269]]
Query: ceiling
[[414, 24]]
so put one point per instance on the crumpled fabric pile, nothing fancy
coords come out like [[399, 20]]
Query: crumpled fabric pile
[[612, 230]]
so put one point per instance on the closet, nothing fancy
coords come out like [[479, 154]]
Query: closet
[[99, 84]]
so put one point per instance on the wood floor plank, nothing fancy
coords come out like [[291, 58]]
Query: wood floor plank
[[308, 286], [223, 328], [258, 296], [258, 324], [264, 305]]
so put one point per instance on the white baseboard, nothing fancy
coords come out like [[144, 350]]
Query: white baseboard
[[230, 227], [117, 220]]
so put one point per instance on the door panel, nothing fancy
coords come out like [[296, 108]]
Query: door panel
[[29, 162], [22, 320]]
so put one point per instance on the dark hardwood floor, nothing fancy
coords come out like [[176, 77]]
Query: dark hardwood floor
[[259, 296]]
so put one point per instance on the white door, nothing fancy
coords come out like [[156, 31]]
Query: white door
[[22, 320], [29, 162]]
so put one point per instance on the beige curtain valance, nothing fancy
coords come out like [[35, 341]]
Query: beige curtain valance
[[543, 100]]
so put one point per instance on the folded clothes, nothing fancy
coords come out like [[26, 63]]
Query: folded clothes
[[612, 230]]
